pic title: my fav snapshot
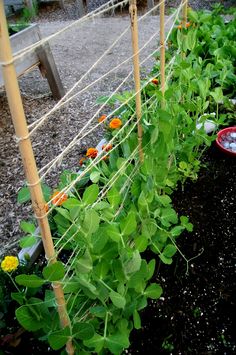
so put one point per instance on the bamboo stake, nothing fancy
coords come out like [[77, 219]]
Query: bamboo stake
[[162, 49], [134, 33], [21, 130], [185, 12]]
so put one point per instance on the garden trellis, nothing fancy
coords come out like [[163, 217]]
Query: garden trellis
[[34, 178]]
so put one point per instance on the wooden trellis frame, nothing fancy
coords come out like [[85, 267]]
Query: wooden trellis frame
[[31, 172], [22, 133]]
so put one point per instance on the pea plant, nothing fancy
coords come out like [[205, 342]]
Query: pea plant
[[121, 209]]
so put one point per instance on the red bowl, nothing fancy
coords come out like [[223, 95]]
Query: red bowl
[[219, 140]]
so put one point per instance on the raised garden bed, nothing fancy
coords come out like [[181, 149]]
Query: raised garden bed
[[41, 57]]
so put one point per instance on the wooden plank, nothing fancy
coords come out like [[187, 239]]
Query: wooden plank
[[150, 4], [82, 7], [19, 41], [41, 57], [13, 2], [49, 70], [25, 38]]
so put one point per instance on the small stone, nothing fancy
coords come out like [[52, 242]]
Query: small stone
[[226, 145], [233, 135]]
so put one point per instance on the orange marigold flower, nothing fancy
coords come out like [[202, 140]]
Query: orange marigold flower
[[179, 27], [115, 123], [107, 147], [92, 153], [102, 118], [106, 157], [188, 24], [58, 198], [81, 162], [155, 81]]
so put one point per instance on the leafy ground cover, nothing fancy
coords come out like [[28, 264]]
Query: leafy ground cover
[[118, 220]]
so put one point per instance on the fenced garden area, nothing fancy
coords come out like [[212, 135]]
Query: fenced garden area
[[137, 227]]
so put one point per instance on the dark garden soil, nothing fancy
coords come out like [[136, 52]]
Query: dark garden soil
[[197, 313]]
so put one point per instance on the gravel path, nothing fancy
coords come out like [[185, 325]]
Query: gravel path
[[74, 53], [52, 12]]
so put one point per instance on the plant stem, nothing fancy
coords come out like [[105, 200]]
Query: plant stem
[[13, 281], [105, 328]]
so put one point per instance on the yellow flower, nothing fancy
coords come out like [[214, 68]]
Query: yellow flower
[[9, 263]]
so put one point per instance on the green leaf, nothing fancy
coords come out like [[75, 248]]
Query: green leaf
[[154, 135], [27, 227], [128, 225], [84, 264], [98, 311], [169, 251], [23, 195], [141, 243], [28, 318], [28, 241], [71, 203], [137, 320], [62, 211], [113, 197], [117, 342], [71, 286], [151, 268], [83, 331], [47, 192], [134, 264], [217, 95], [95, 176], [91, 222], [97, 342], [118, 300], [176, 231], [165, 260], [81, 279], [149, 227], [193, 16], [90, 195], [165, 200], [31, 281], [153, 291], [59, 338], [100, 206], [98, 240], [168, 216], [54, 272], [191, 39], [113, 232], [18, 297]]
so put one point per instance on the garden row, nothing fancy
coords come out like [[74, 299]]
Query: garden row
[[120, 210]]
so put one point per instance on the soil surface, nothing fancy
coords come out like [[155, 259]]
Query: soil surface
[[197, 313]]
